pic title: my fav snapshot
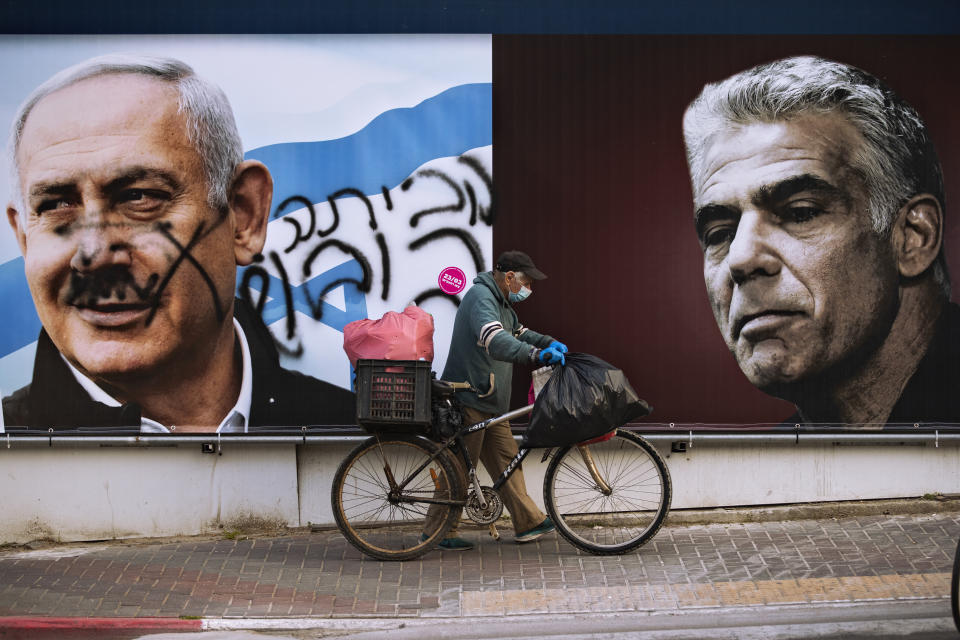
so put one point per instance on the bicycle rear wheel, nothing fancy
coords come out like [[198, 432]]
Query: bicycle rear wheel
[[395, 525], [621, 519]]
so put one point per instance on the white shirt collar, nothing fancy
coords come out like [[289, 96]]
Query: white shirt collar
[[237, 418]]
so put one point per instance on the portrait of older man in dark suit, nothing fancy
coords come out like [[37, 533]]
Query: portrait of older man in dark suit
[[819, 206], [133, 207]]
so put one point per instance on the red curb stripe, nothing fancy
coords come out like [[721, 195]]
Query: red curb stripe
[[25, 623]]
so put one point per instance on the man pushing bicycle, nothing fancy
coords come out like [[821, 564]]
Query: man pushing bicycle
[[487, 340]]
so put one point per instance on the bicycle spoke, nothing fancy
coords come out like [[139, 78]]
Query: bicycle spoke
[[381, 523], [633, 510]]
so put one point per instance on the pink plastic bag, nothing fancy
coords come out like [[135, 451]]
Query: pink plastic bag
[[395, 336]]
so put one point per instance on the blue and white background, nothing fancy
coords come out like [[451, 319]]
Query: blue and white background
[[381, 152]]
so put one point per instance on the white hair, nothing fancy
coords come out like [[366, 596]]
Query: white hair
[[210, 124], [896, 162]]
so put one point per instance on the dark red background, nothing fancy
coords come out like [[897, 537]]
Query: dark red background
[[592, 182]]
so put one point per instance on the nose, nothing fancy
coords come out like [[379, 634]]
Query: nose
[[100, 242], [751, 253]]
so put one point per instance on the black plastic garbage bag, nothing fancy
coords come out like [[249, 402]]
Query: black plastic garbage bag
[[584, 399]]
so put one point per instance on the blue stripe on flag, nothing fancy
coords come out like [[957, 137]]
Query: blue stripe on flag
[[21, 324], [386, 151], [275, 309]]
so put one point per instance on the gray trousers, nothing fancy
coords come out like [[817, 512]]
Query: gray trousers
[[495, 448]]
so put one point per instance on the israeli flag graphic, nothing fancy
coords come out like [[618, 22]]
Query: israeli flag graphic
[[381, 152]]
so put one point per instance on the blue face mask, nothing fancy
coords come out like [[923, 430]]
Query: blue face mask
[[521, 295]]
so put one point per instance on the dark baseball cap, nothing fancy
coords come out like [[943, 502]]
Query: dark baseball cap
[[518, 261]]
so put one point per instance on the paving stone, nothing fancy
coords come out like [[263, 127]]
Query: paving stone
[[843, 560]]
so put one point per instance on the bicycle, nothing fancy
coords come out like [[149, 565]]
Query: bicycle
[[608, 495]]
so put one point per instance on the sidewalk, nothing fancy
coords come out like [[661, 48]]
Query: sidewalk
[[318, 575]]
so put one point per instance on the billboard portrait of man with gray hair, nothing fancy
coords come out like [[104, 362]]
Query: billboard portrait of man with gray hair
[[133, 206], [819, 206]]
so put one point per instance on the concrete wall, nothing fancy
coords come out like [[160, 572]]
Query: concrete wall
[[92, 493]]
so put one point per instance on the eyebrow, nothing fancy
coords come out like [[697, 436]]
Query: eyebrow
[[710, 212], [51, 188], [125, 179], [136, 174], [767, 196]]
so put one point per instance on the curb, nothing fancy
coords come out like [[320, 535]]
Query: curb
[[415, 627], [783, 512], [44, 623], [813, 511]]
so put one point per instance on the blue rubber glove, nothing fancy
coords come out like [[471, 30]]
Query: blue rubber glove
[[559, 346], [550, 355]]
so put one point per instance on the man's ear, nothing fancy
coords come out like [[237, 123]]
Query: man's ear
[[250, 198], [13, 217], [918, 234]]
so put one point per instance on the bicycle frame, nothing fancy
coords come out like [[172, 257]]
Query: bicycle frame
[[522, 453], [471, 469], [480, 426]]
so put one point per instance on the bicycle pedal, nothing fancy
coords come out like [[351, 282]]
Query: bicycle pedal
[[493, 532]]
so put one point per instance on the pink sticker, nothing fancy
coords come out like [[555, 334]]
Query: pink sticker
[[452, 280]]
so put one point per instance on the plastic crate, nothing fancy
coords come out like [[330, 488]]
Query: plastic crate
[[393, 395]]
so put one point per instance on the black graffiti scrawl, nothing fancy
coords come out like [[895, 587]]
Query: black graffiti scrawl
[[393, 243]]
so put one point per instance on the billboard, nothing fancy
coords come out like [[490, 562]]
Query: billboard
[[590, 152], [380, 157], [363, 170]]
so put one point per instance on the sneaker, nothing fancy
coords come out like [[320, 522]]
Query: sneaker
[[452, 544], [539, 531]]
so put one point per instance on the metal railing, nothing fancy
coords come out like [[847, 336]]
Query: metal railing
[[670, 433]]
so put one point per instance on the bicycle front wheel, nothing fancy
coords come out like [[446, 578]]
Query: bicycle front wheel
[[391, 523], [617, 517]]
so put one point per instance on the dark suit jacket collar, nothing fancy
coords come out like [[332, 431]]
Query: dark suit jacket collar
[[57, 400], [932, 395]]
